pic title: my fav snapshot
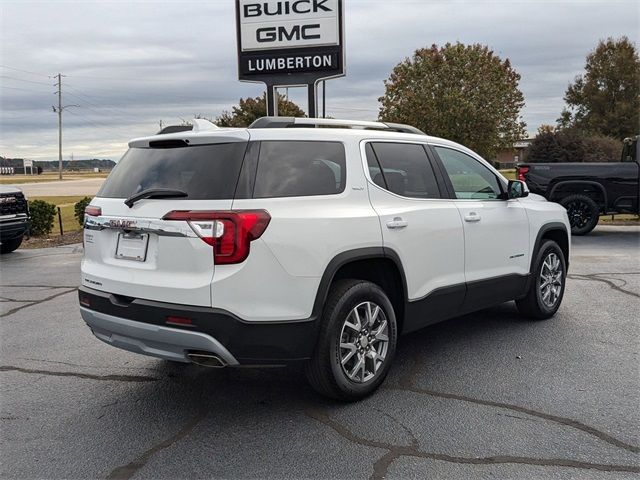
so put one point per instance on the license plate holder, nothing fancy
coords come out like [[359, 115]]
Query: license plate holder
[[132, 246]]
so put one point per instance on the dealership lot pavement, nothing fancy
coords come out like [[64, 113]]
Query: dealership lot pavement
[[483, 396], [85, 186]]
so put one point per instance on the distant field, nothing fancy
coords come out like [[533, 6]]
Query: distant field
[[620, 218], [509, 174], [48, 177]]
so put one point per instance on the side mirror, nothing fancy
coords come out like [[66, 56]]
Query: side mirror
[[516, 189]]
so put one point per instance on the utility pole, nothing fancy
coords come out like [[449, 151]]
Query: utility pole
[[59, 92], [59, 109]]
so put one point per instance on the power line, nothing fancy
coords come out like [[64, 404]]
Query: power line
[[24, 80], [84, 98], [101, 125], [4, 116], [24, 71], [18, 88]]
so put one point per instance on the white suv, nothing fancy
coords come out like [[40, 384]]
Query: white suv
[[275, 244]]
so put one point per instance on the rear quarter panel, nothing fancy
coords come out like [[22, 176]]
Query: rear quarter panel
[[304, 235]]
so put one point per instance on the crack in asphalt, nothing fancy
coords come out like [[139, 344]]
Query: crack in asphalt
[[51, 287], [605, 437], [17, 300], [86, 376], [381, 466], [127, 471], [82, 365], [38, 302], [29, 257], [407, 384], [600, 277]]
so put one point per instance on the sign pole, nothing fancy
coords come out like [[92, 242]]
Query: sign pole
[[313, 100], [324, 99], [272, 101]]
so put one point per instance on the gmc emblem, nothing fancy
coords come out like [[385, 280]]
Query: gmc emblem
[[122, 224]]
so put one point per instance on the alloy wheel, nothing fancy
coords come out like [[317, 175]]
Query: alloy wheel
[[550, 282], [579, 214], [364, 342]]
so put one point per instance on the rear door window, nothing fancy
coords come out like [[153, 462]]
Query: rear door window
[[297, 169], [402, 168], [204, 172]]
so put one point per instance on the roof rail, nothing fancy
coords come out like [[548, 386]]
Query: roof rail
[[297, 122]]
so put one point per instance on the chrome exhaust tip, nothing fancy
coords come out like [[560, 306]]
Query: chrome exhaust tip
[[205, 359]]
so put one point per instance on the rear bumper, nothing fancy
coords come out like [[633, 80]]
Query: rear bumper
[[141, 326], [153, 340], [13, 228]]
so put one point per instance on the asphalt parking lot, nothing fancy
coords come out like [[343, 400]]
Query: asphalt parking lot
[[483, 396]]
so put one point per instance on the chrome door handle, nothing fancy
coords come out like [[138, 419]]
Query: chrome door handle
[[397, 223], [472, 217]]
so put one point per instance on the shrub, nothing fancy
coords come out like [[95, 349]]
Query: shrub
[[42, 214], [78, 209], [572, 145]]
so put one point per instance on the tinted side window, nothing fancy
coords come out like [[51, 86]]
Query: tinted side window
[[470, 179], [375, 172], [402, 168], [296, 169]]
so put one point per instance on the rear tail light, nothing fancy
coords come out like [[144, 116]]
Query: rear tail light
[[93, 211], [522, 171], [230, 233], [174, 320], [85, 301]]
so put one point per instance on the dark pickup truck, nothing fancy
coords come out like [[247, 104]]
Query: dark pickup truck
[[588, 190], [14, 218]]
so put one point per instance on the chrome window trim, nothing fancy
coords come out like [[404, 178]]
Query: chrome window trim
[[159, 227]]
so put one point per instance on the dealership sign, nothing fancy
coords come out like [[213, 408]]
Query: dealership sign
[[290, 42]]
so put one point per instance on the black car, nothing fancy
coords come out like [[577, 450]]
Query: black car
[[14, 218], [588, 190]]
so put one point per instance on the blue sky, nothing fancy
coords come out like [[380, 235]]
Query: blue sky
[[130, 64]]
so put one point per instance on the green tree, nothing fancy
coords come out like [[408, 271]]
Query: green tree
[[606, 99], [464, 93], [545, 147], [250, 109]]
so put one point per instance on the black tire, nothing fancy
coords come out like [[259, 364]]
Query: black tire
[[583, 213], [324, 370], [533, 306], [9, 246]]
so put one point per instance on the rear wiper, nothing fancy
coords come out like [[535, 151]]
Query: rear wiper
[[154, 193]]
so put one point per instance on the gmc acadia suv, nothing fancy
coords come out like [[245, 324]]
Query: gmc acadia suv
[[322, 244]]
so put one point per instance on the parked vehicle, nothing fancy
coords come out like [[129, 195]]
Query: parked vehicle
[[275, 244], [588, 190], [14, 218]]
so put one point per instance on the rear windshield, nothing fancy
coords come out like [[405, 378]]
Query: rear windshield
[[204, 172]]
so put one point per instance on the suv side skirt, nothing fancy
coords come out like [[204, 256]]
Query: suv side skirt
[[441, 304]]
